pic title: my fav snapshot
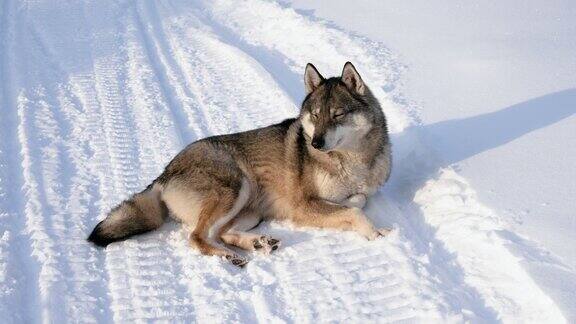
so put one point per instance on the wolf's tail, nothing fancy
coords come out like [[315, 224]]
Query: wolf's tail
[[143, 212]]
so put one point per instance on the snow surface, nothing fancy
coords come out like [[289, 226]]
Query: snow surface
[[97, 96], [495, 85]]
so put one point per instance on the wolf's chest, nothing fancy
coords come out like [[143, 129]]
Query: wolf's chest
[[338, 187], [351, 178]]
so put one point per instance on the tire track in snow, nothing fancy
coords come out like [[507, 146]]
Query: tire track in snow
[[163, 294], [114, 150], [88, 130], [65, 162], [200, 286], [18, 297], [335, 277], [141, 288], [169, 83], [168, 74], [142, 304], [76, 260], [43, 218], [83, 87], [66, 279], [171, 77], [207, 69], [38, 133]]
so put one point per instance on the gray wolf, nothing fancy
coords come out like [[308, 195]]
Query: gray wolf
[[316, 170]]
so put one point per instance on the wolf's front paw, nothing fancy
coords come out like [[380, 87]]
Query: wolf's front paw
[[266, 244], [236, 260]]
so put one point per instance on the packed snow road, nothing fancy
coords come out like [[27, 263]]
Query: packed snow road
[[97, 96]]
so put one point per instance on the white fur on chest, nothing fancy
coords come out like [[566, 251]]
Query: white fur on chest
[[353, 177]]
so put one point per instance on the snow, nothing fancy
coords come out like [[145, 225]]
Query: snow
[[96, 97], [497, 74]]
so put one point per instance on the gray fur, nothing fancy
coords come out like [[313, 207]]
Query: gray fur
[[273, 172]]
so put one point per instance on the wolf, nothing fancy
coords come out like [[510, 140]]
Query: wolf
[[316, 170]]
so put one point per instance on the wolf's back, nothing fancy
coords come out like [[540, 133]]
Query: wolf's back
[[143, 212]]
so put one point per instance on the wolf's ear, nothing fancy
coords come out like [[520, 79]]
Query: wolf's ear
[[312, 78], [352, 79]]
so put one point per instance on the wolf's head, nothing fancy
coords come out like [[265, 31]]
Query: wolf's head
[[338, 112]]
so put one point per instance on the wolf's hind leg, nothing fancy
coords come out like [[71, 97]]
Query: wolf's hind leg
[[216, 212], [209, 248]]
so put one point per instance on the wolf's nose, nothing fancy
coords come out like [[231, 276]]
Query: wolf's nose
[[318, 143]]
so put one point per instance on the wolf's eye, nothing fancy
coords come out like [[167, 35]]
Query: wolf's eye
[[313, 116], [339, 114]]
